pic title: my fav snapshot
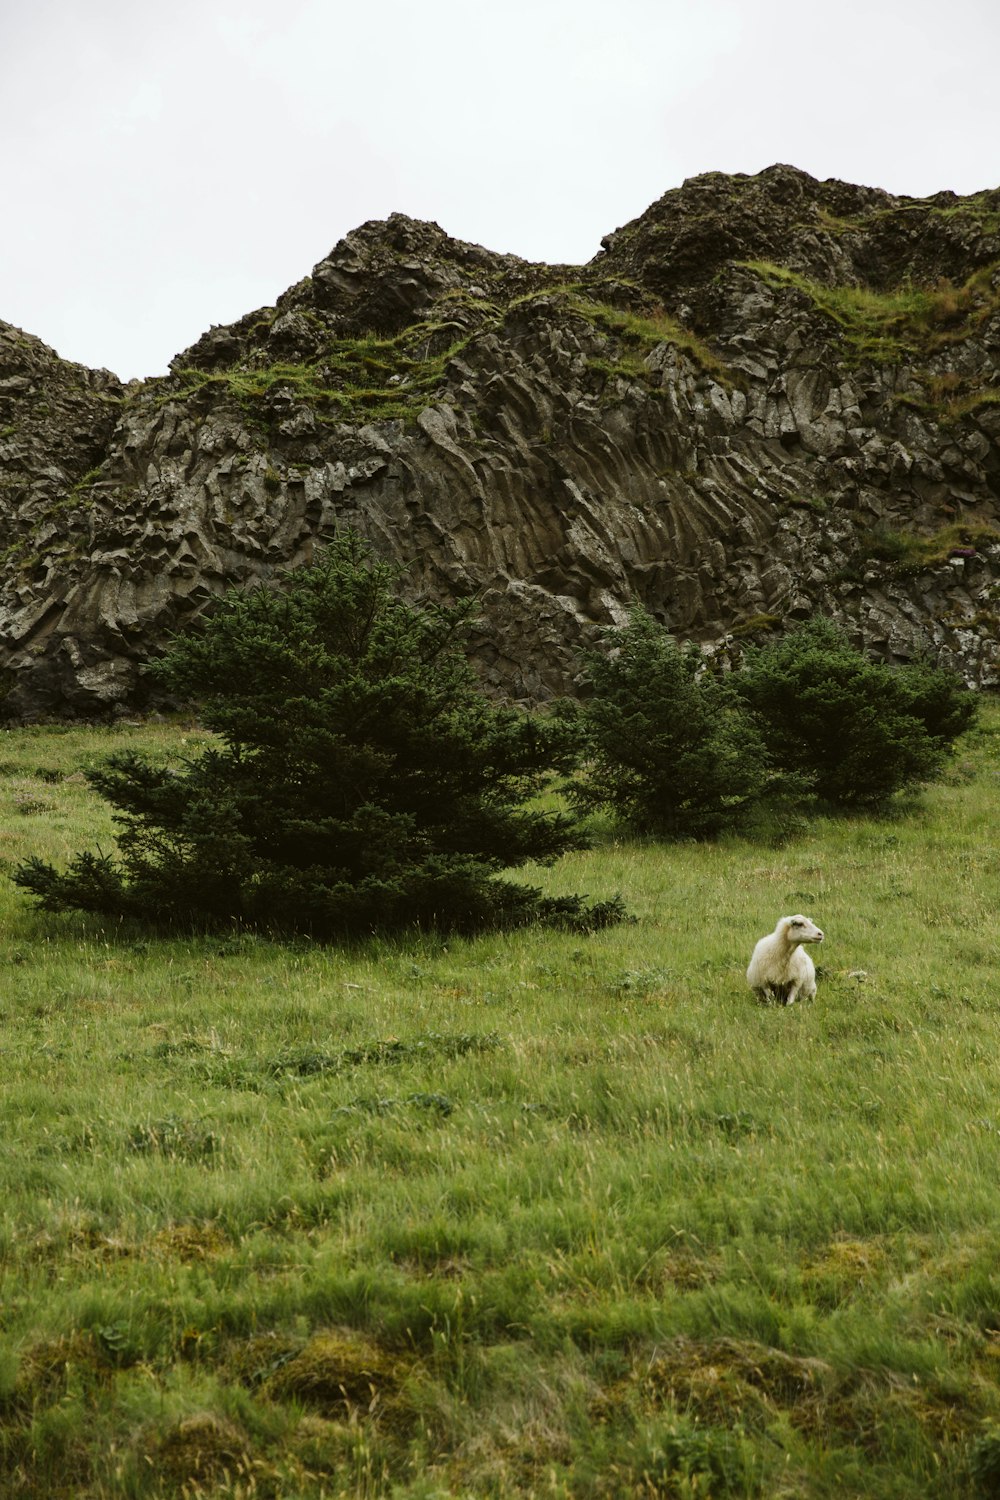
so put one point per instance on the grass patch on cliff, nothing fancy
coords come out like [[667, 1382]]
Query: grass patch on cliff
[[981, 209], [649, 330], [514, 1216], [304, 384], [890, 327], [912, 552], [950, 397], [368, 378], [978, 209], [637, 333], [375, 378]]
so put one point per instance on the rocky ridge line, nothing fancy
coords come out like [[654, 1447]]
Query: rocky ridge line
[[766, 396]]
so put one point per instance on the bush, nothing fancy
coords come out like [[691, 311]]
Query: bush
[[858, 730], [944, 706], [362, 781], [670, 752]]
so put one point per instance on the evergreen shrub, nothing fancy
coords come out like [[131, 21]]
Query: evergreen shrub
[[857, 730], [670, 751], [362, 782]]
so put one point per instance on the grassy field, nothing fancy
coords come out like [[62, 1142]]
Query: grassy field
[[530, 1216]]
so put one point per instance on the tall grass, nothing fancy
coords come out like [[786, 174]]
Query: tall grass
[[529, 1215]]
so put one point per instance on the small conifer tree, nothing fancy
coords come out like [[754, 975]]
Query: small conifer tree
[[857, 730], [671, 753], [362, 782]]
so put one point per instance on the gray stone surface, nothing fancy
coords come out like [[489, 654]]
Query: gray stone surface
[[728, 414]]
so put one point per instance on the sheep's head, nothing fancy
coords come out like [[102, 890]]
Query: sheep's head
[[800, 929]]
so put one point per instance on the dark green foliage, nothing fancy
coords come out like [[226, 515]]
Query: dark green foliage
[[670, 751], [984, 1463], [939, 700], [677, 753], [362, 782], [858, 730]]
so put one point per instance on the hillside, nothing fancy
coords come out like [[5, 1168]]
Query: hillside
[[767, 396], [523, 1217]]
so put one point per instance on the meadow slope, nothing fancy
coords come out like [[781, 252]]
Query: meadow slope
[[538, 1215]]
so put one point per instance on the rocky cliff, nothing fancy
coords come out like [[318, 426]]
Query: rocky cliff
[[765, 397]]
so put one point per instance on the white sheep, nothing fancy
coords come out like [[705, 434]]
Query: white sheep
[[780, 968]]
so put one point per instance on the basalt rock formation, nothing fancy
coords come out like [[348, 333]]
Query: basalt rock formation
[[765, 397]]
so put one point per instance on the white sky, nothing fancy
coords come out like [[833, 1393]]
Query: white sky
[[170, 164]]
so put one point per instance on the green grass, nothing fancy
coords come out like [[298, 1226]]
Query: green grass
[[910, 552], [638, 333], [374, 378], [900, 325], [950, 398], [976, 210], [368, 378], [521, 1216]]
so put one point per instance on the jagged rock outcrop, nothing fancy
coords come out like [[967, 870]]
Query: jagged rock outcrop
[[765, 397]]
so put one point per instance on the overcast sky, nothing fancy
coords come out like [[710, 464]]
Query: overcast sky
[[169, 164]]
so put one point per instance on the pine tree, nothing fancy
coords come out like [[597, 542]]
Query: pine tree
[[362, 782], [670, 752], [856, 730]]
